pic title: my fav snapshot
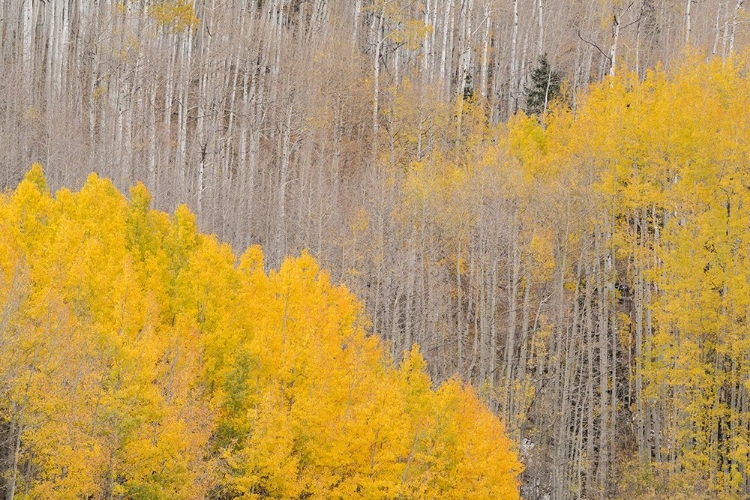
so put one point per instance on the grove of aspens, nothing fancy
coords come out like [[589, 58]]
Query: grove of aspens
[[374, 249]]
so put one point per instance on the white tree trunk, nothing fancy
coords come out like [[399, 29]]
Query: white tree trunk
[[615, 40], [28, 45], [512, 84], [444, 49], [485, 50], [540, 20], [735, 21]]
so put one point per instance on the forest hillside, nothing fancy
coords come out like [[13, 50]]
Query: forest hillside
[[143, 360], [548, 197]]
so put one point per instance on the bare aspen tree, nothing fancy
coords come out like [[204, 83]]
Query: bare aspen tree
[[735, 22], [485, 58], [540, 23], [616, 23], [444, 53], [379, 38], [512, 90]]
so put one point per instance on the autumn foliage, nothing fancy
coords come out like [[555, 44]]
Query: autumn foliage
[[590, 264], [140, 359], [585, 266]]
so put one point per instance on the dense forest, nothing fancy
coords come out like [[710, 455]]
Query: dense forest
[[549, 198], [139, 362]]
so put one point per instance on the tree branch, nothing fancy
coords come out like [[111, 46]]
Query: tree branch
[[593, 45]]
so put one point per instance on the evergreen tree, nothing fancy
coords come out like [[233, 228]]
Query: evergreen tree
[[545, 86]]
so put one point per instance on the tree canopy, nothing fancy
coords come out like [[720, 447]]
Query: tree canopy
[[141, 359]]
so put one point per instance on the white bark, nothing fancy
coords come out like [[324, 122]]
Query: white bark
[[540, 21], [735, 21], [281, 222], [485, 50], [355, 29], [512, 86], [28, 45], [717, 27], [615, 40], [379, 39], [427, 43], [447, 21]]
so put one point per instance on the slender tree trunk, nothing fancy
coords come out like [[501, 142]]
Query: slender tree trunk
[[379, 37], [512, 87], [27, 50], [540, 20], [512, 287], [735, 21], [485, 50], [281, 227], [604, 282], [444, 54], [615, 41], [356, 22]]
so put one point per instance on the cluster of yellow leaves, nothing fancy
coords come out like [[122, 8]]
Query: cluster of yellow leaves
[[174, 15], [139, 359]]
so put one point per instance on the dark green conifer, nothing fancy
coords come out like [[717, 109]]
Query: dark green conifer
[[545, 86]]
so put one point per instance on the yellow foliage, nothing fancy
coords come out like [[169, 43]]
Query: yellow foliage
[[660, 165], [140, 360], [174, 15]]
